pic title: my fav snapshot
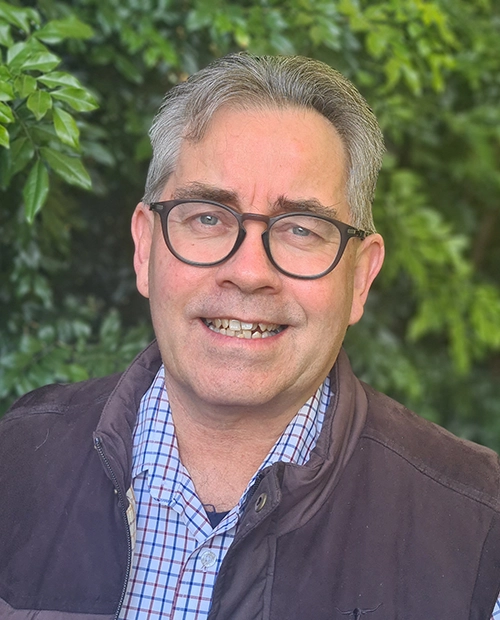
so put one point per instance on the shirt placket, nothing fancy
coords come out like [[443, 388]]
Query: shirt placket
[[199, 571]]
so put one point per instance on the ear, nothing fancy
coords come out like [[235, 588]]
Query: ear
[[369, 260], [142, 233]]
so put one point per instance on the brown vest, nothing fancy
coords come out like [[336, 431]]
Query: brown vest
[[392, 518]]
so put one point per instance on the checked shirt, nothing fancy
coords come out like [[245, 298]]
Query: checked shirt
[[178, 554]]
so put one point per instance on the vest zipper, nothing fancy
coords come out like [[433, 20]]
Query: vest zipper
[[98, 446]]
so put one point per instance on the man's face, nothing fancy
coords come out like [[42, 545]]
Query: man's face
[[254, 161]]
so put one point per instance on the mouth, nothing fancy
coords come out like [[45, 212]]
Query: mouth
[[240, 329]]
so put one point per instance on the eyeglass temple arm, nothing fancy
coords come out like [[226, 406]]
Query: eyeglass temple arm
[[360, 234]]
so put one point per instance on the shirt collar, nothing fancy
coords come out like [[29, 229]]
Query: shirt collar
[[155, 449]]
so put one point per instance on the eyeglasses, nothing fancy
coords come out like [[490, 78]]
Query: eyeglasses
[[300, 245]]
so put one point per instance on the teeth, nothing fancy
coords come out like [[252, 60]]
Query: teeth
[[243, 329], [269, 328]]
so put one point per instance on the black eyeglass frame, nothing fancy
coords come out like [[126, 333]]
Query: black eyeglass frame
[[347, 232]]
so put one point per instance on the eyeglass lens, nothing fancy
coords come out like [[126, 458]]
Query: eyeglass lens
[[303, 245]]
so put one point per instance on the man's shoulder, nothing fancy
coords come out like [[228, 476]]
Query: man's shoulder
[[459, 464], [67, 399], [63, 398]]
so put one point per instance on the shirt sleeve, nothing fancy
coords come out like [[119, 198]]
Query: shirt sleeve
[[496, 611]]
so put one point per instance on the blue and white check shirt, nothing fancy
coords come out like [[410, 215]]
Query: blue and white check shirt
[[177, 553]]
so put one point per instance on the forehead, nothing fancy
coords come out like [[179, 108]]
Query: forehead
[[262, 154]]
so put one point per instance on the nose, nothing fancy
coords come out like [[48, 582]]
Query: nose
[[249, 268]]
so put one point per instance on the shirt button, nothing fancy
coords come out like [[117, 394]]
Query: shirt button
[[208, 559]]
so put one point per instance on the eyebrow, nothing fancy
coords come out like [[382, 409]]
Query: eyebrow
[[309, 205], [204, 191]]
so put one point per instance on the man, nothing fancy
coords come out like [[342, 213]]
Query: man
[[238, 470]]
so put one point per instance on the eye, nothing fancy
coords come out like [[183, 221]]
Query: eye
[[209, 220], [300, 231]]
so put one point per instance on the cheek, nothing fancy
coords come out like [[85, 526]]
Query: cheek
[[329, 305], [165, 271], [173, 285], [164, 283]]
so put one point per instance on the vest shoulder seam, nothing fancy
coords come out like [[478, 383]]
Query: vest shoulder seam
[[490, 501]]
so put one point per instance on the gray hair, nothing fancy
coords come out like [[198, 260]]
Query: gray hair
[[247, 82]]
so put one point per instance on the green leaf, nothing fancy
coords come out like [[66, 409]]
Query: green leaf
[[39, 102], [66, 127], [5, 169], [6, 115], [5, 36], [412, 78], [20, 49], [392, 70], [128, 69], [25, 85], [198, 18], [68, 168], [41, 61], [78, 98], [242, 38], [4, 137], [20, 18], [22, 150], [43, 133], [100, 154], [60, 29], [35, 190], [31, 56], [6, 91], [377, 42], [59, 78]]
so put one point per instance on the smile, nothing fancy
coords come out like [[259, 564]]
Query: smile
[[240, 329]]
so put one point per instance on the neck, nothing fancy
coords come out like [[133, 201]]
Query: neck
[[221, 446], [221, 458]]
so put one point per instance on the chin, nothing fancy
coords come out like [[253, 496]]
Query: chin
[[241, 398]]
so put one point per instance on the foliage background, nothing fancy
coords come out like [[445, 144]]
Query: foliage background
[[79, 83]]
